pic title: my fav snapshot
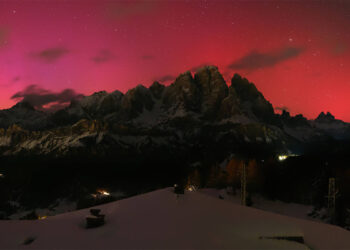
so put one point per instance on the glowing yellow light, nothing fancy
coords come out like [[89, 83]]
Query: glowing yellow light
[[42, 217], [191, 188], [102, 192], [282, 157]]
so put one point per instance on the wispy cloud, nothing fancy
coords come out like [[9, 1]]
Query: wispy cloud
[[16, 79], [12, 82], [282, 108], [196, 68], [165, 78], [147, 57], [3, 36], [51, 55], [257, 60], [103, 56], [339, 48]]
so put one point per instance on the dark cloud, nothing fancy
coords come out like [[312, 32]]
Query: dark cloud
[[257, 60], [118, 10], [147, 57], [103, 56], [16, 79], [339, 48], [282, 108], [51, 55], [40, 98], [3, 37], [166, 78], [10, 83]]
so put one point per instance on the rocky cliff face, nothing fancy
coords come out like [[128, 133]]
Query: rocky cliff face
[[23, 114], [198, 111]]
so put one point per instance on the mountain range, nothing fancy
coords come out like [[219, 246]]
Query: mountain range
[[197, 112]]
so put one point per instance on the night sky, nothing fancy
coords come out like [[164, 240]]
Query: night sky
[[297, 53]]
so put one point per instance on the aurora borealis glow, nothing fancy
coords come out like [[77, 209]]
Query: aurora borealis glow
[[297, 52]]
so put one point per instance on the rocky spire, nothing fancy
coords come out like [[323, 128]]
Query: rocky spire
[[322, 117], [248, 94]]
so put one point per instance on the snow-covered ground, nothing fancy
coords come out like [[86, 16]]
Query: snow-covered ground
[[160, 220], [60, 206], [279, 207]]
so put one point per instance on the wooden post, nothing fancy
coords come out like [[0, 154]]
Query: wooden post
[[331, 197], [244, 184]]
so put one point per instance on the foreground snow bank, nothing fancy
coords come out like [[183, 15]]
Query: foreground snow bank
[[275, 206], [160, 220]]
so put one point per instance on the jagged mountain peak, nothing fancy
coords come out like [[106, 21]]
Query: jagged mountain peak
[[157, 89], [252, 99], [213, 89], [245, 89], [325, 117], [184, 81], [23, 105], [141, 87], [285, 114], [202, 96], [233, 114], [135, 101], [156, 84], [100, 93], [138, 90], [117, 93], [24, 115], [209, 76]]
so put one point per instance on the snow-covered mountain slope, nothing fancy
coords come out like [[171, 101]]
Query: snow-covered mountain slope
[[160, 220], [23, 114]]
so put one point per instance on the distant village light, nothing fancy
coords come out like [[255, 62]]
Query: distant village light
[[101, 193], [191, 188], [282, 157], [106, 193], [42, 217]]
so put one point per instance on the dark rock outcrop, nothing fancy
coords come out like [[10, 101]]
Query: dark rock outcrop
[[251, 99], [322, 117], [213, 90]]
